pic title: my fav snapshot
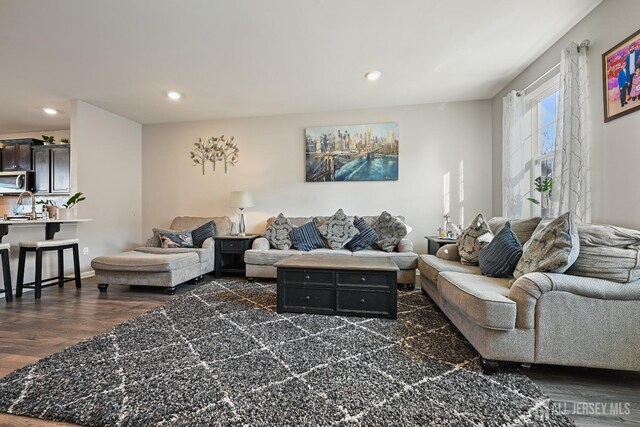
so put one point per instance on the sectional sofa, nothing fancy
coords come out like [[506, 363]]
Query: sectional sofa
[[260, 258], [547, 318]]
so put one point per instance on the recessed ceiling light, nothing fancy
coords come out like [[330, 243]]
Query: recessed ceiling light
[[50, 111], [372, 76], [174, 95]]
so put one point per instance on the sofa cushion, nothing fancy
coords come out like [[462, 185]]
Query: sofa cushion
[[473, 239], [430, 266], [481, 299], [269, 257], [390, 230], [500, 258], [223, 223], [404, 260], [202, 233], [278, 233], [306, 237], [552, 249], [176, 239], [327, 251], [139, 261], [608, 252], [364, 239], [522, 228], [338, 230], [449, 252]]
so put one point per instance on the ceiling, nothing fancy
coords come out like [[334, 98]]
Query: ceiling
[[238, 58]]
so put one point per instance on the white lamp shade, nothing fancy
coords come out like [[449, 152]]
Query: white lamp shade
[[241, 199]]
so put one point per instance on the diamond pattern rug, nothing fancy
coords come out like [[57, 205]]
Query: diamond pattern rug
[[221, 355]]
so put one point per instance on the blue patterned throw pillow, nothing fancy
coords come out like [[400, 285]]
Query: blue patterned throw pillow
[[364, 239], [306, 237], [501, 256], [202, 233], [177, 239]]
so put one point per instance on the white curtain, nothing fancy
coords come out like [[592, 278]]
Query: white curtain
[[572, 175], [513, 155]]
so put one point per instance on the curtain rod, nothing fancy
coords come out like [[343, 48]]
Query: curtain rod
[[583, 45]]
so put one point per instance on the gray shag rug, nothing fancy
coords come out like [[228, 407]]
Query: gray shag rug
[[221, 355]]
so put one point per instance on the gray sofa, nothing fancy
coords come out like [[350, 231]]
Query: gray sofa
[[260, 258], [150, 265], [543, 318]]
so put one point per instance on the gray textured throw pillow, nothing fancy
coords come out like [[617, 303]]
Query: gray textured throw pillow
[[552, 249], [337, 229], [278, 233], [473, 239], [390, 230]]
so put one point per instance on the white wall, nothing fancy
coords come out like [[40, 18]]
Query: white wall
[[434, 140], [105, 163], [615, 145]]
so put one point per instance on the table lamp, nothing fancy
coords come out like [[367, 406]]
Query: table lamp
[[241, 200]]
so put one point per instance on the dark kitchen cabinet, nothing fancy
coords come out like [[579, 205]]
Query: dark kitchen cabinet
[[52, 169], [16, 154]]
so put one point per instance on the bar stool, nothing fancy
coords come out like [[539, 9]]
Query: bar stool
[[6, 272], [39, 247]]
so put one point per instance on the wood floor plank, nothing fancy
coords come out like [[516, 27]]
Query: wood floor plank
[[31, 330]]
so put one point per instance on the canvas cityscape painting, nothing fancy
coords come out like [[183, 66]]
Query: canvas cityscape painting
[[352, 153]]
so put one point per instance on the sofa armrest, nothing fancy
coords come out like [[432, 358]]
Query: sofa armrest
[[449, 252], [528, 289], [261, 244], [405, 245], [208, 243]]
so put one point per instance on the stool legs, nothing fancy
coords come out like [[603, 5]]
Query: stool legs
[[38, 283], [60, 268], [76, 266], [21, 259], [6, 274]]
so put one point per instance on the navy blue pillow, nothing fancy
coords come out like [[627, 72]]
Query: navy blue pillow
[[203, 232], [366, 237], [306, 237], [500, 257]]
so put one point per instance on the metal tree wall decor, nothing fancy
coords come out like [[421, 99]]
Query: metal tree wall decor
[[215, 149]]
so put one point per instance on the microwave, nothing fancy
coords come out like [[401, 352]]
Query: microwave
[[15, 182]]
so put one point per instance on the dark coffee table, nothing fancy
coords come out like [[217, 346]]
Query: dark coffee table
[[338, 285]]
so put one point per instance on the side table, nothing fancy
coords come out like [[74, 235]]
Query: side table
[[434, 243], [229, 253]]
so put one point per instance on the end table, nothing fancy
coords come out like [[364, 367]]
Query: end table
[[229, 253], [434, 243]]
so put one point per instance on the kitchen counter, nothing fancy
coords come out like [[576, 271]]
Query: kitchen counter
[[52, 226]]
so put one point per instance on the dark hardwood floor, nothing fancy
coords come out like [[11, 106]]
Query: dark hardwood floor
[[30, 330]]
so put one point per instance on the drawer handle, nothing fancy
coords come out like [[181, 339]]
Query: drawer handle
[[363, 279], [307, 297], [362, 301], [307, 277]]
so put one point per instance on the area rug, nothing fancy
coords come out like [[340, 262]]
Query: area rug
[[221, 355]]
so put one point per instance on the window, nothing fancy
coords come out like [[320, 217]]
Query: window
[[540, 124]]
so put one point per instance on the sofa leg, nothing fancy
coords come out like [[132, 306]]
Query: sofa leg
[[102, 287], [489, 367], [251, 279], [171, 291]]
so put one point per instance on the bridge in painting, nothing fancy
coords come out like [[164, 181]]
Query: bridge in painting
[[327, 169]]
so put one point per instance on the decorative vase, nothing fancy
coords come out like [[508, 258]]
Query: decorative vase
[[64, 213]]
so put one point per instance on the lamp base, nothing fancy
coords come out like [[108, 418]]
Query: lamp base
[[241, 224]]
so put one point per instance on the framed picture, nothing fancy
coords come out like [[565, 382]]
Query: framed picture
[[621, 78], [352, 153]]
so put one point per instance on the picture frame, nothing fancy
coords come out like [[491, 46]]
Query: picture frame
[[621, 78], [342, 153]]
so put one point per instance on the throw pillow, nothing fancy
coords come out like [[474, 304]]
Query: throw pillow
[[278, 233], [501, 256], [390, 230], [155, 240], [178, 239], [552, 249], [364, 239], [338, 230], [203, 232], [306, 237], [473, 239]]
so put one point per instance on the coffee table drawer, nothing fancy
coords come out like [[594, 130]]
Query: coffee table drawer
[[308, 277], [321, 298], [362, 278], [363, 301]]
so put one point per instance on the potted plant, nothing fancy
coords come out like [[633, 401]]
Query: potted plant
[[544, 186], [48, 139], [51, 206], [66, 211]]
